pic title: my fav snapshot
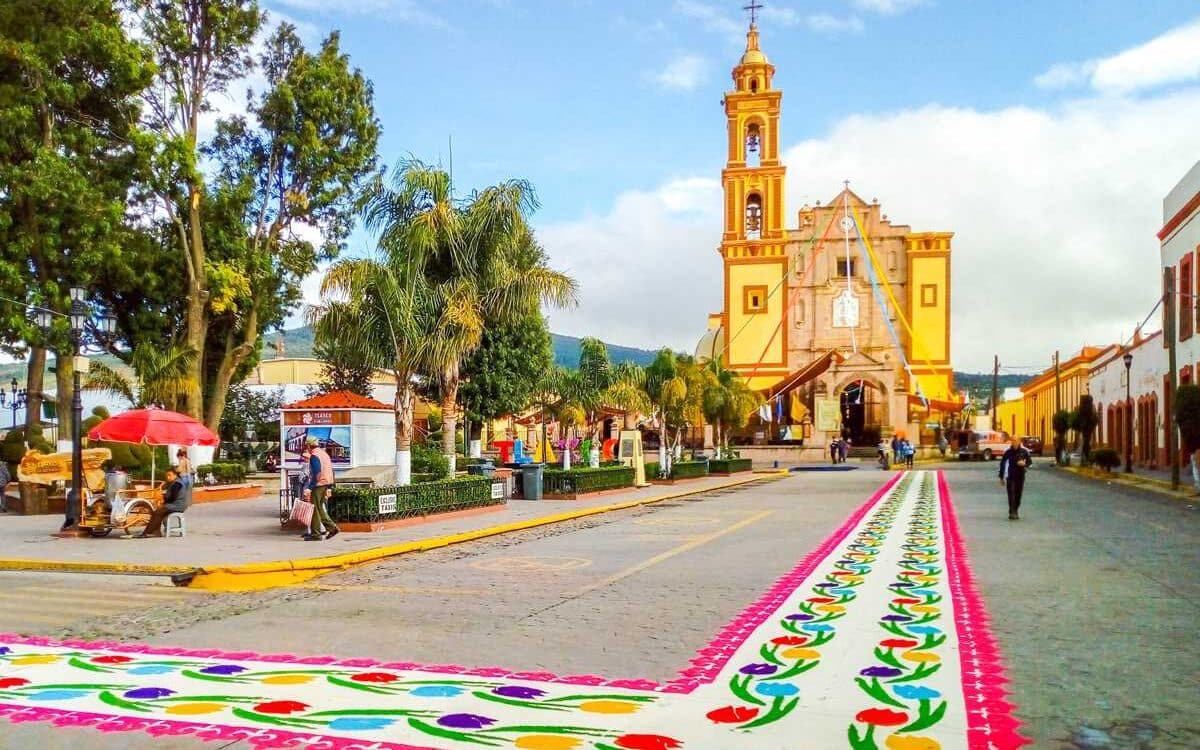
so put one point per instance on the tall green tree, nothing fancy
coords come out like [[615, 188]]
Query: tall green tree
[[343, 367], [727, 403], [70, 81], [1086, 420], [500, 376], [158, 376], [256, 208]]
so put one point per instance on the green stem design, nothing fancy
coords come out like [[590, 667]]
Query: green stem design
[[767, 652], [921, 672], [876, 691], [212, 677], [539, 729], [374, 712], [80, 664], [739, 688], [514, 702], [799, 667], [242, 713], [452, 735], [112, 700], [780, 707], [925, 717], [358, 686], [866, 742], [602, 697], [207, 699], [887, 657]]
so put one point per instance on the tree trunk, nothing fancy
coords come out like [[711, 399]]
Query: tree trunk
[[197, 304], [64, 371], [717, 442], [449, 417], [232, 359], [404, 430], [35, 382]]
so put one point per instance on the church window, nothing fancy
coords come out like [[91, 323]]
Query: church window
[[799, 312], [754, 299], [1185, 297], [845, 268], [929, 295], [753, 85], [753, 145], [754, 215], [801, 269], [892, 261]]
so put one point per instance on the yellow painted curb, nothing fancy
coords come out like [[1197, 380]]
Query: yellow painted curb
[[62, 566], [1158, 486], [259, 576]]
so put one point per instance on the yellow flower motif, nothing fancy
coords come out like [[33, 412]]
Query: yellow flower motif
[[36, 659], [852, 579], [287, 679], [801, 653], [921, 656], [830, 608], [195, 709], [609, 707], [546, 742], [908, 742], [925, 608]]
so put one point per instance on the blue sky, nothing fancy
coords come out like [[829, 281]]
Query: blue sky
[[612, 110]]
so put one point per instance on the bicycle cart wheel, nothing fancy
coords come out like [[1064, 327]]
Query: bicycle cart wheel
[[100, 532], [137, 517]]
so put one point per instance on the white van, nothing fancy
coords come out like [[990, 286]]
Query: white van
[[985, 445]]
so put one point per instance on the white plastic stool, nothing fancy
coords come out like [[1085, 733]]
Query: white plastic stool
[[176, 525]]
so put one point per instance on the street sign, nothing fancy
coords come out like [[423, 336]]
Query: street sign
[[387, 504]]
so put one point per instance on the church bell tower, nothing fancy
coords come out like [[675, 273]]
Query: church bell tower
[[753, 247]]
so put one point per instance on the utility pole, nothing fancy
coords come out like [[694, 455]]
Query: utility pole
[[995, 390], [1169, 402]]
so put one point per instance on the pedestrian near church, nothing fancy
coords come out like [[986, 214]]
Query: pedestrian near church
[[320, 484], [177, 496], [909, 452], [1013, 465]]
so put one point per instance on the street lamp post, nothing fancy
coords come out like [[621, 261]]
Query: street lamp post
[[15, 400], [80, 318], [1128, 416]]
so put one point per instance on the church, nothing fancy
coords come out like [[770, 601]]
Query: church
[[841, 321]]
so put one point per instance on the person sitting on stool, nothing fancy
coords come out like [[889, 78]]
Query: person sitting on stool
[[176, 499]]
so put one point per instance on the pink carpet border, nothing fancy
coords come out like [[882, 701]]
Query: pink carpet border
[[703, 670], [990, 723]]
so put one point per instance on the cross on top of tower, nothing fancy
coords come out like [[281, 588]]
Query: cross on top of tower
[[753, 8]]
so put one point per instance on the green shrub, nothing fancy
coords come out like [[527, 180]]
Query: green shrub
[[729, 465], [225, 472], [361, 504], [428, 458], [586, 479], [689, 469], [1105, 458], [652, 470]]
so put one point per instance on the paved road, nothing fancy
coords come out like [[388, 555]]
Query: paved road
[[1093, 596]]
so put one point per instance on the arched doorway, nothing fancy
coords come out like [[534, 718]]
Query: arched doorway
[[863, 406]]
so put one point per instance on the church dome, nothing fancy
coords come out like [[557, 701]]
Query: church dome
[[711, 345], [753, 55]]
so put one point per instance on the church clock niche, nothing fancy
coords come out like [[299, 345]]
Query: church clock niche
[[754, 216]]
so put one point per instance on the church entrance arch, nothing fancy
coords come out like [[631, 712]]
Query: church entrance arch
[[863, 403]]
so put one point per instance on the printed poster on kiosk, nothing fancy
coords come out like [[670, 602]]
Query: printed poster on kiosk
[[330, 428]]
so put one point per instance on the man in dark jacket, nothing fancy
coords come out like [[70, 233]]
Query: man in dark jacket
[[1012, 475], [176, 499]]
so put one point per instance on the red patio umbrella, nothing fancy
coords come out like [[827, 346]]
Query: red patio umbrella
[[153, 427]]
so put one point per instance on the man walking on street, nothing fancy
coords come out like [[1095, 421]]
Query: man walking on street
[[1012, 475], [320, 482]]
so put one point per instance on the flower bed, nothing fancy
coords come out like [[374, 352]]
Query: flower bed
[[361, 505], [225, 472], [729, 465], [584, 480]]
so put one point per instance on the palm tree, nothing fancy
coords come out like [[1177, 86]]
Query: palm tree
[[727, 403], [159, 376], [483, 256]]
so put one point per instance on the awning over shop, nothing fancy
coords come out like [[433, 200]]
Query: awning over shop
[[935, 404], [809, 372]]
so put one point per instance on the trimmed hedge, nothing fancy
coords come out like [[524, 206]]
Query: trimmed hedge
[[729, 465], [586, 479], [689, 469], [225, 472], [361, 504], [679, 469], [1105, 458]]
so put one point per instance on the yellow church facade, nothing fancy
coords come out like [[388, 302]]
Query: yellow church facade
[[844, 317]]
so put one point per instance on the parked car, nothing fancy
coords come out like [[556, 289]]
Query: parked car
[[1033, 444], [984, 445]]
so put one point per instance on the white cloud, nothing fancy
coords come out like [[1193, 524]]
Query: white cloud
[[684, 72], [887, 7], [405, 11], [709, 17], [1170, 58], [1054, 213], [827, 24]]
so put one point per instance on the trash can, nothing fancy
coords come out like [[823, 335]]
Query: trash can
[[485, 469], [531, 477]]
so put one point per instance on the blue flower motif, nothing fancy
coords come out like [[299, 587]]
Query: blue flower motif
[[816, 627], [152, 669], [916, 692], [56, 695], [923, 592], [880, 672], [924, 629], [148, 693], [800, 617], [436, 691], [840, 591], [360, 722], [776, 689], [223, 669], [5, 650]]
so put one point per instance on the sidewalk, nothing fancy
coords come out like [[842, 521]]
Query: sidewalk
[[245, 536], [1154, 480]]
